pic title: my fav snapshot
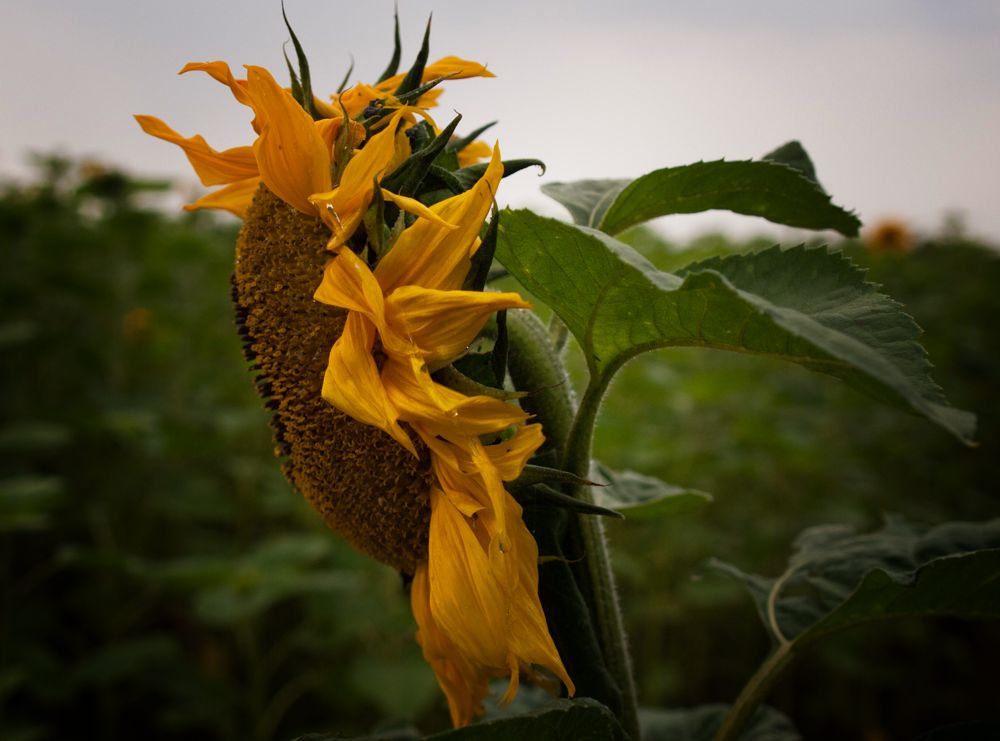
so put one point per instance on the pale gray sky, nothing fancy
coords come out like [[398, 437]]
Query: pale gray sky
[[897, 101]]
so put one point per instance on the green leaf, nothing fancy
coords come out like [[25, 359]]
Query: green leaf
[[837, 579], [769, 189], [586, 200], [795, 156], [641, 497], [397, 50], [807, 306], [468, 176], [415, 74], [701, 724], [562, 720]]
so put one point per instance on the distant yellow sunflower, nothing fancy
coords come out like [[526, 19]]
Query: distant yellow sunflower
[[428, 496]]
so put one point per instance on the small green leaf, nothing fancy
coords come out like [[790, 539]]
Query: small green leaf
[[837, 579], [469, 175], [771, 190], [580, 720], [303, 81], [640, 497], [701, 724], [806, 306]]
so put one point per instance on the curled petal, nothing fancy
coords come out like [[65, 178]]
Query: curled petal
[[211, 166], [440, 410], [294, 160], [351, 382], [431, 256], [220, 71], [348, 283], [463, 684], [442, 323], [234, 198]]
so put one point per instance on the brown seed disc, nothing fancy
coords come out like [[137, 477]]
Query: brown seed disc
[[366, 486]]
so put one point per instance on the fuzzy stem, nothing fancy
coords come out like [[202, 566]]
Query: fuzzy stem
[[753, 694], [536, 367], [606, 608]]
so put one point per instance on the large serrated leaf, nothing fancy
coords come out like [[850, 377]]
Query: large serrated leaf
[[769, 189], [807, 306], [641, 497], [837, 578]]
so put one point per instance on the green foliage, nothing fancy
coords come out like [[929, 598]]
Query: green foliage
[[643, 497], [837, 579], [805, 306], [161, 579], [782, 193]]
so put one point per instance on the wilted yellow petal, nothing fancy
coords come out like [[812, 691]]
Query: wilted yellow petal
[[429, 255], [294, 161], [442, 324], [439, 410], [343, 207], [348, 283], [351, 382], [211, 166], [220, 71], [235, 198], [463, 684], [415, 207], [473, 152]]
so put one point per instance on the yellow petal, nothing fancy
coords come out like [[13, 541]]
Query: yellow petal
[[293, 159], [235, 198], [510, 456], [415, 207], [455, 68], [343, 207], [220, 71], [473, 152], [211, 166], [439, 410], [443, 323], [348, 283], [352, 384], [428, 255], [463, 685]]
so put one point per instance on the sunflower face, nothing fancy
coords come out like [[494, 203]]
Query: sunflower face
[[363, 222], [367, 487]]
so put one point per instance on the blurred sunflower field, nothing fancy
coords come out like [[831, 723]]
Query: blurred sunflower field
[[162, 580]]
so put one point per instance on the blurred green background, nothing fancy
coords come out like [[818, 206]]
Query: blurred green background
[[161, 580]]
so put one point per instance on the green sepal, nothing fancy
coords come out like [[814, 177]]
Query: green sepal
[[397, 50], [304, 81], [440, 178], [501, 347], [406, 179], [343, 149], [462, 142], [416, 73], [296, 86], [544, 495], [455, 379], [468, 176], [347, 77], [479, 271], [374, 221], [532, 474]]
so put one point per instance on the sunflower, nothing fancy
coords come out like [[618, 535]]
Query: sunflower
[[348, 336]]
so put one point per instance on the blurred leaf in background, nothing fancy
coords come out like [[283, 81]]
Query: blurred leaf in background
[[161, 580]]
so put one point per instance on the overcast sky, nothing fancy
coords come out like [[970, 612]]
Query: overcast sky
[[897, 101]]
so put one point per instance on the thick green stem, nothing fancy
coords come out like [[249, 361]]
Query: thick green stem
[[607, 611], [753, 694], [536, 367]]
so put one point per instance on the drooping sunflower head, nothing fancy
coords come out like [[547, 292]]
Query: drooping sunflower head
[[358, 285]]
